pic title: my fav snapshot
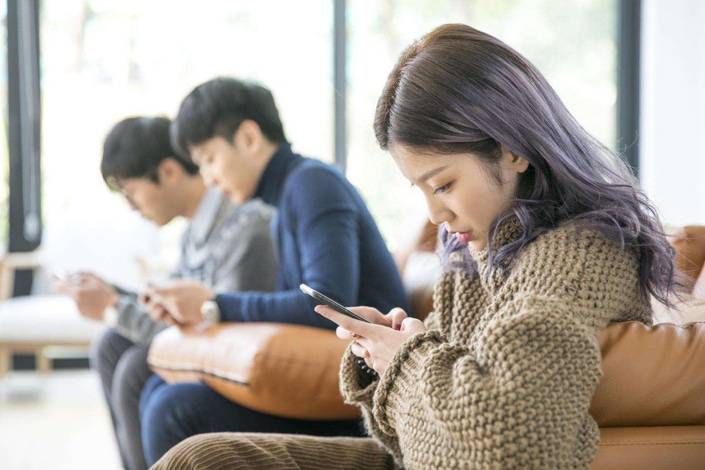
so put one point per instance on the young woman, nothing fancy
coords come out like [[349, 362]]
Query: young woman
[[548, 240]]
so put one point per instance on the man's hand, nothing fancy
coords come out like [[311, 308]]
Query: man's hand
[[91, 294], [177, 302]]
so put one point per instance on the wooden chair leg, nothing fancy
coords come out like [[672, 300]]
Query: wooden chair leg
[[5, 360], [43, 361]]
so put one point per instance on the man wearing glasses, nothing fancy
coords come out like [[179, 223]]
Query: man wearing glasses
[[225, 246]]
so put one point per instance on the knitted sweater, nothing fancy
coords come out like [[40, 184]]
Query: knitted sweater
[[504, 376]]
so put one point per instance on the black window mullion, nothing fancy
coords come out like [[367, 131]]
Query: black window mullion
[[25, 222], [628, 82], [340, 81]]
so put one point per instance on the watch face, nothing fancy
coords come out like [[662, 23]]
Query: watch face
[[210, 311]]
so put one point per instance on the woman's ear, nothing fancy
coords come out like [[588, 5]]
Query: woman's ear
[[514, 161], [520, 164]]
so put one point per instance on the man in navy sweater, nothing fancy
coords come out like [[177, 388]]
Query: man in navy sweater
[[325, 238]]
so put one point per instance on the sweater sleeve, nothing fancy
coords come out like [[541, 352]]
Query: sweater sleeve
[[527, 384], [245, 256], [356, 385], [133, 321]]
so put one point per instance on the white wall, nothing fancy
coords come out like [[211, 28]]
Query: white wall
[[672, 134]]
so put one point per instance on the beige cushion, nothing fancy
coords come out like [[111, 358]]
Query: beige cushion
[[689, 310], [45, 319], [689, 242]]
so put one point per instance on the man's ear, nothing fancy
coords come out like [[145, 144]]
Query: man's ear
[[169, 170], [249, 137]]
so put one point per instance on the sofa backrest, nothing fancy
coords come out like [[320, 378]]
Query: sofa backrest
[[653, 375]]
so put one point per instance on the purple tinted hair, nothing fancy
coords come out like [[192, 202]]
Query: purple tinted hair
[[459, 90]]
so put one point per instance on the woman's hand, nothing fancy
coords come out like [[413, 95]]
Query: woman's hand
[[378, 341]]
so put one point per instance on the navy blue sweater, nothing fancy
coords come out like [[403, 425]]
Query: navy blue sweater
[[325, 238]]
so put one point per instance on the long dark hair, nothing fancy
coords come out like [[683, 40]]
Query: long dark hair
[[459, 90]]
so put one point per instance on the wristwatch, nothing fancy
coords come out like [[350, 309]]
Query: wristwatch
[[110, 316], [210, 312]]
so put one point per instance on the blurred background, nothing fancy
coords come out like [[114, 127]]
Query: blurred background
[[632, 72]]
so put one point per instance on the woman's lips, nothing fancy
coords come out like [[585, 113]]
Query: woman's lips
[[463, 237]]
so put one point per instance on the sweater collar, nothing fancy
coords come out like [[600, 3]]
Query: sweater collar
[[271, 183], [508, 231]]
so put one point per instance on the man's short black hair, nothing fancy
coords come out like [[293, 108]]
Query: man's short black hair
[[135, 147], [218, 107]]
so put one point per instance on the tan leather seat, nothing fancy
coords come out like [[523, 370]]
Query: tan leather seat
[[650, 403]]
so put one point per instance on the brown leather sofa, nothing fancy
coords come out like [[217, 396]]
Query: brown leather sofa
[[650, 404]]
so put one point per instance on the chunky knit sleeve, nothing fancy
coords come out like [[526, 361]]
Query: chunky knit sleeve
[[527, 384], [356, 386]]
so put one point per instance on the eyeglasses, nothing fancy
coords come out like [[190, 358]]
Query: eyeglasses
[[115, 184]]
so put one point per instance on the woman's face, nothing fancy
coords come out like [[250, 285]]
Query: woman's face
[[460, 192]]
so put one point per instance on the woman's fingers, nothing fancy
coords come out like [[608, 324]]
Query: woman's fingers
[[359, 350], [412, 325], [349, 327], [397, 316], [342, 333], [358, 327]]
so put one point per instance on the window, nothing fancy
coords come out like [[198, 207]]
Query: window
[[105, 60], [572, 43]]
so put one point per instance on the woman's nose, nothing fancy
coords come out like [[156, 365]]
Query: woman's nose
[[437, 213]]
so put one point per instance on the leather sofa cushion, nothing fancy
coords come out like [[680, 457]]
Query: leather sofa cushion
[[283, 370], [653, 375], [651, 448]]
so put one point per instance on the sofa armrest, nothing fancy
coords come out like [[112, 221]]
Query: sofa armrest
[[283, 370]]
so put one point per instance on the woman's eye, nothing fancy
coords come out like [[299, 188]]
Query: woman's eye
[[442, 189]]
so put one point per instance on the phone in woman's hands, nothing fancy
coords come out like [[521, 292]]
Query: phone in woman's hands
[[331, 303], [339, 308]]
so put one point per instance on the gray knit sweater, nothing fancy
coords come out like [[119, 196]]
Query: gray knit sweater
[[505, 374]]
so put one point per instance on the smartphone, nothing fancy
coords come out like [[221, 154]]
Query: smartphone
[[331, 303], [61, 275]]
